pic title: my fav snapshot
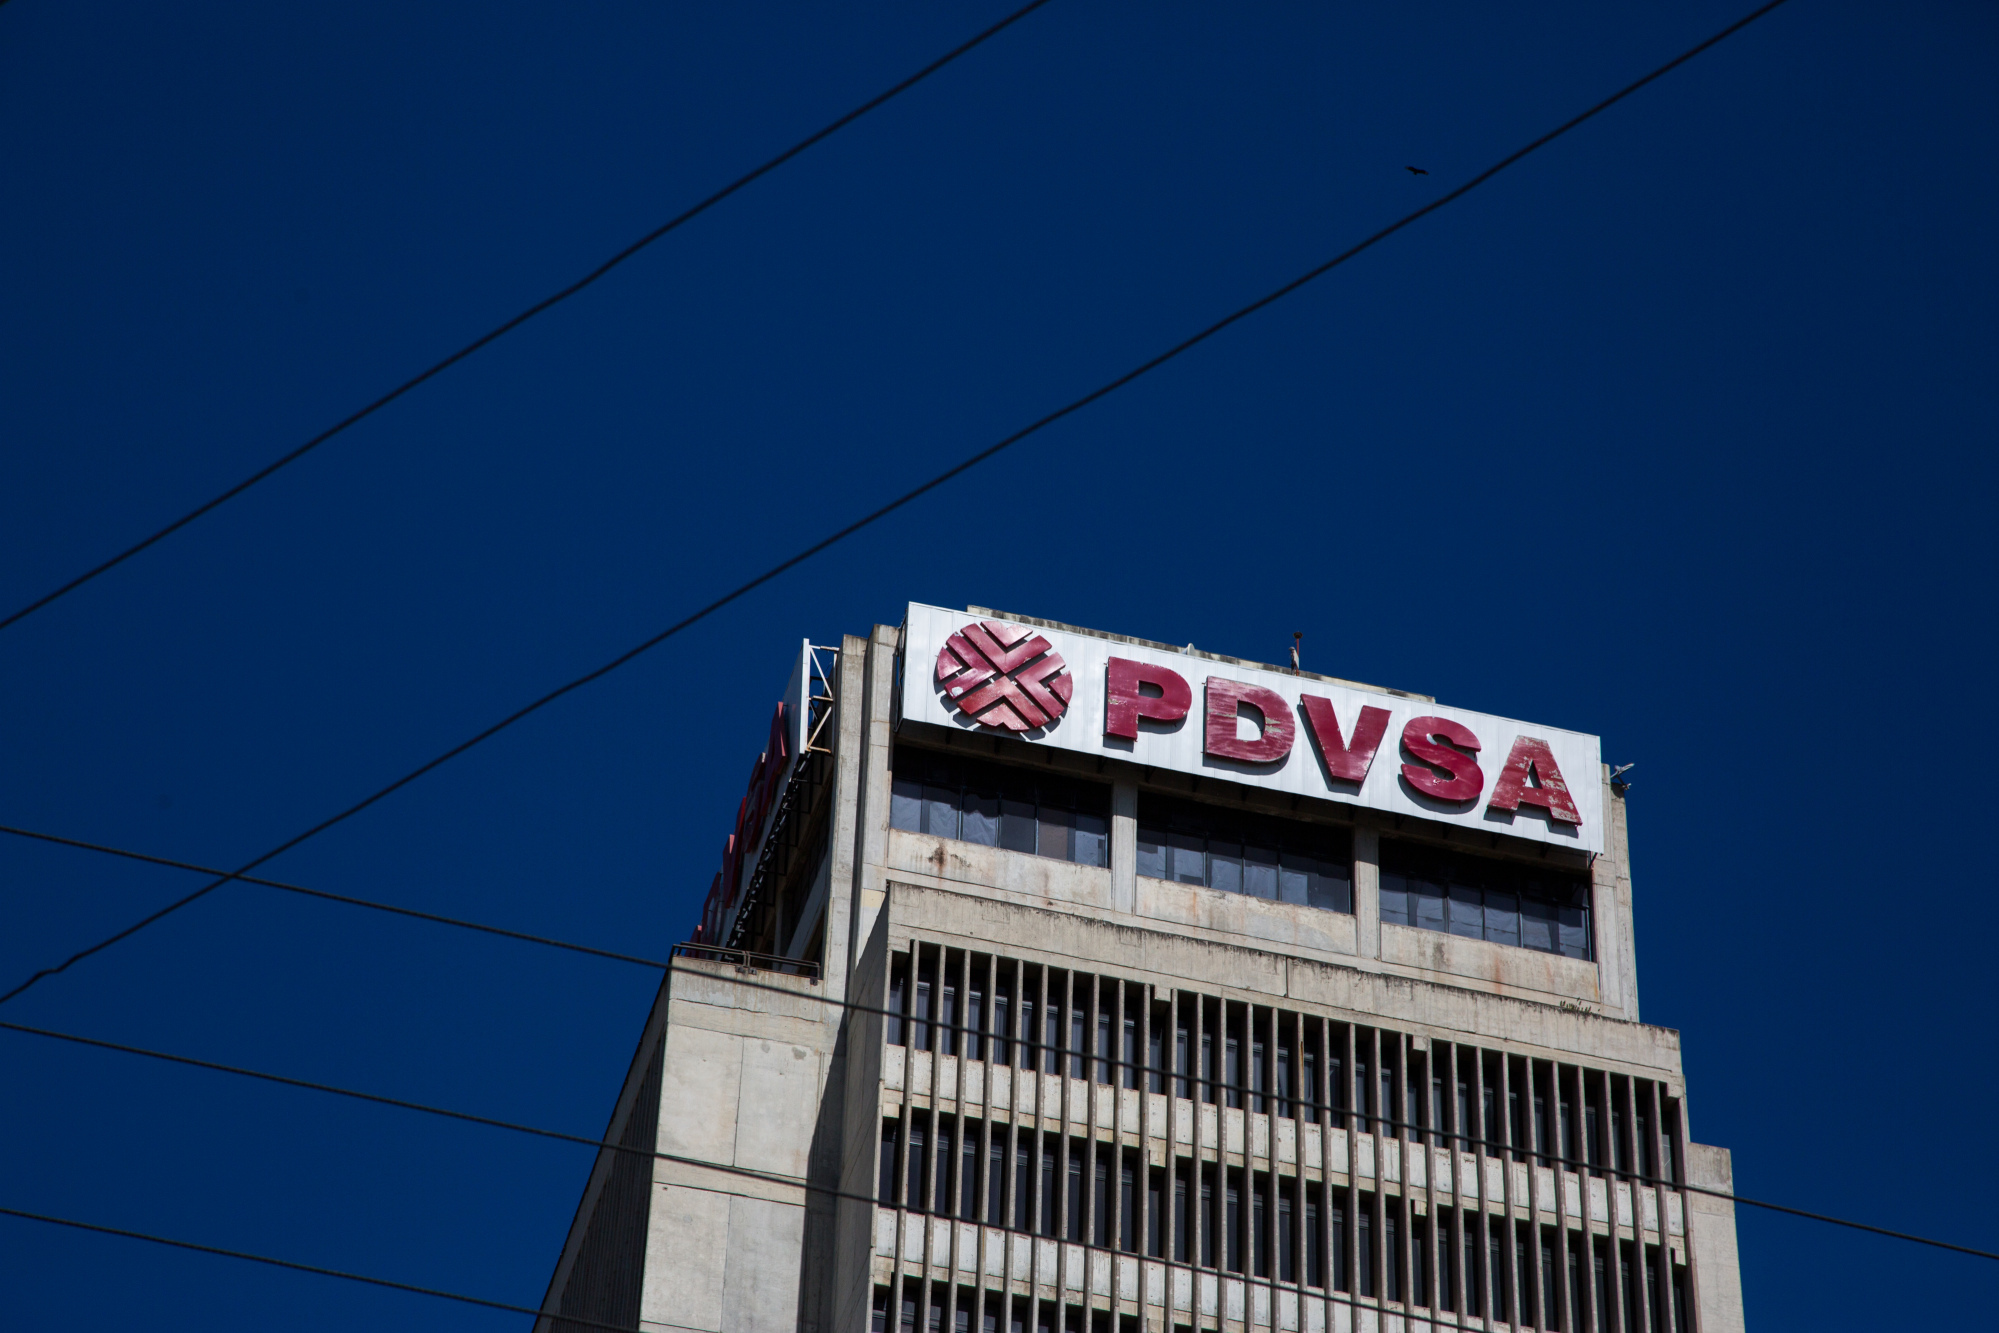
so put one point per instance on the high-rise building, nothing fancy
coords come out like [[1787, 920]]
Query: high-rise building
[[1060, 982]]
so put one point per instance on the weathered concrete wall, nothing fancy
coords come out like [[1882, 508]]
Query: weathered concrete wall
[[744, 1083], [1717, 1265], [852, 1285]]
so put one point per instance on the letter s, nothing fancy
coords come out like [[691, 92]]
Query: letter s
[[1420, 738]]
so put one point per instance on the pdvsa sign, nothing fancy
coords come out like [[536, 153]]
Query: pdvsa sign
[[1260, 728]]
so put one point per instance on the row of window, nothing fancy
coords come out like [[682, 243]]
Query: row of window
[[1236, 851], [1271, 1060], [1252, 1223], [994, 805], [1498, 901], [1240, 852]]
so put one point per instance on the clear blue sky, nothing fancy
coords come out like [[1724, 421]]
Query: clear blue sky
[[1681, 433]]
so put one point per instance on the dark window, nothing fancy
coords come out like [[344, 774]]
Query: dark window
[[1474, 1264], [1077, 1048], [1392, 1253], [994, 805], [1341, 1279], [1364, 1245], [1002, 1019], [1498, 901], [898, 991], [886, 1190], [1315, 1255], [1023, 1186], [918, 1198], [1310, 865], [1259, 1226], [1100, 1200], [943, 1208], [996, 1181], [1155, 1215], [1210, 1219], [1183, 1223], [968, 1187], [1551, 1284], [1232, 1223], [1287, 1266], [1048, 1183], [1419, 1269], [1128, 1206], [1076, 1192]]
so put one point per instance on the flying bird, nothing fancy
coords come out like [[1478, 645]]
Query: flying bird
[[1416, 171]]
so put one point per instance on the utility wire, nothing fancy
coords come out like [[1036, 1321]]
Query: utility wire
[[494, 334], [350, 901], [1337, 1114], [781, 990], [906, 498], [296, 1267], [918, 1210]]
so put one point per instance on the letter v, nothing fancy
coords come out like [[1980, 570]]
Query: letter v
[[1348, 763]]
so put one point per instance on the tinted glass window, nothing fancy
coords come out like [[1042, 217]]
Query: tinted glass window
[[994, 805], [1498, 901], [1310, 865]]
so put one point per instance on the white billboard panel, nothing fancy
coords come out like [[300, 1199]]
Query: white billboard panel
[[1261, 728]]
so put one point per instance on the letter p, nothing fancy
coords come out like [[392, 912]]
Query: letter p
[[1125, 704]]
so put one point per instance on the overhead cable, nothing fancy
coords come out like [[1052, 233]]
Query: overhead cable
[[297, 1267], [1335, 1114], [920, 1209], [347, 899], [893, 505], [499, 331]]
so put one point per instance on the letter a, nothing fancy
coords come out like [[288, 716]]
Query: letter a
[[1511, 791]]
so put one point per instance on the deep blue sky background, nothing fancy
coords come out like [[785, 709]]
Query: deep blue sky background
[[1681, 432]]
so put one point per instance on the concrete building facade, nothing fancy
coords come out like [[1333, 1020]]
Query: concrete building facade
[[986, 1033]]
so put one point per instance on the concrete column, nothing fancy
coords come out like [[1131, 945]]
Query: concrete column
[[872, 788], [1627, 938], [1367, 887], [1124, 845], [850, 690], [1717, 1272]]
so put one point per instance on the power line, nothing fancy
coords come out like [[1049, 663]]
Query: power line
[[347, 899], [499, 331], [1337, 1115], [906, 498], [296, 1267], [918, 1210], [781, 990]]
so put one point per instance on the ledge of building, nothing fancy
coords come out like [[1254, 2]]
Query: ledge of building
[[1363, 989]]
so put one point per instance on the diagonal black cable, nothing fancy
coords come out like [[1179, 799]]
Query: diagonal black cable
[[1034, 1048], [348, 899], [909, 496], [296, 1267], [524, 316]]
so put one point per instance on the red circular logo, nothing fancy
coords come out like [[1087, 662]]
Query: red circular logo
[[1004, 676]]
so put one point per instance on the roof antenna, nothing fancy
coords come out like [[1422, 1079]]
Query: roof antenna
[[1297, 638], [1618, 782]]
